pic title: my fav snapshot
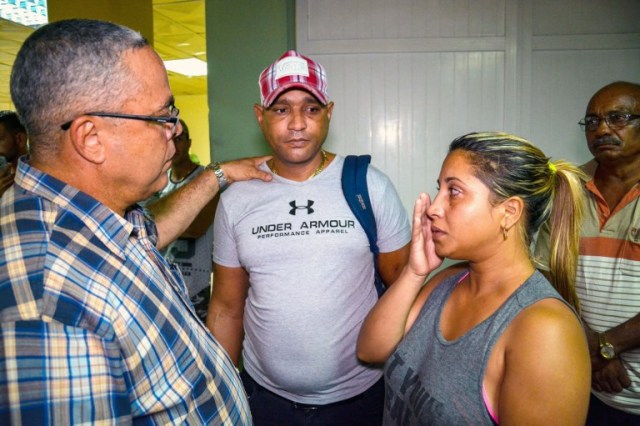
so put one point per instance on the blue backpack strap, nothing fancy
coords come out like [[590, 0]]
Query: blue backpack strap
[[356, 192]]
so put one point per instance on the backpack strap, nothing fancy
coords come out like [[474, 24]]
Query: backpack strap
[[356, 192]]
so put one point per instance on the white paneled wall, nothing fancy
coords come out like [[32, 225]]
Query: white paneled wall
[[408, 76]]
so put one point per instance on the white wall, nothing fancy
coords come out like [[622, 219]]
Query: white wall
[[408, 76]]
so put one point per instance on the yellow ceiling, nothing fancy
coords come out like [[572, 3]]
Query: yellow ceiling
[[178, 32], [11, 38]]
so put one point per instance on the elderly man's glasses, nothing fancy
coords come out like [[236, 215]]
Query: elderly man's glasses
[[171, 119], [614, 119]]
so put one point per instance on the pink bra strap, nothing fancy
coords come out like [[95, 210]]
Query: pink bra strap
[[493, 414]]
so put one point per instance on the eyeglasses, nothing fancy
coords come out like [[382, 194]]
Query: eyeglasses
[[172, 119], [614, 119]]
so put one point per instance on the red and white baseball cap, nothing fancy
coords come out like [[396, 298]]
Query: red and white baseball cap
[[293, 71]]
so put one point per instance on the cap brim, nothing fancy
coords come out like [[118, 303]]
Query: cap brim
[[269, 100]]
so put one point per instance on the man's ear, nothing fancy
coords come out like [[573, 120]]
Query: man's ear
[[329, 110], [21, 141], [86, 141], [258, 110]]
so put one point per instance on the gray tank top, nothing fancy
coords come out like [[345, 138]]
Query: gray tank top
[[432, 381]]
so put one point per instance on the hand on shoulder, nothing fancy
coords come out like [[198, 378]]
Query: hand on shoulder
[[245, 169]]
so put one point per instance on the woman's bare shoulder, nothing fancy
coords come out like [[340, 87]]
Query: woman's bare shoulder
[[548, 320]]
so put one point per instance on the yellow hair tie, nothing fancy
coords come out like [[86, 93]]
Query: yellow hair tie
[[553, 168]]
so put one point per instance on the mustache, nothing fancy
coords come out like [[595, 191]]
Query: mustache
[[607, 140]]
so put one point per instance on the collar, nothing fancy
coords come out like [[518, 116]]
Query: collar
[[112, 229]]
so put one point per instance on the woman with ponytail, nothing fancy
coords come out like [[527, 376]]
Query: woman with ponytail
[[488, 340]]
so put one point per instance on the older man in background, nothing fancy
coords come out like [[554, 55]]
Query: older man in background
[[13, 144], [192, 251], [608, 276]]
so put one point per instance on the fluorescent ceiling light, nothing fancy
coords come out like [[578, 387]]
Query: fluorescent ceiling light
[[190, 67], [31, 13]]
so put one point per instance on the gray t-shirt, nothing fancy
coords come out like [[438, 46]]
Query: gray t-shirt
[[311, 278]]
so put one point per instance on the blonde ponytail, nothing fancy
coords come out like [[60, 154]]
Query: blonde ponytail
[[565, 224]]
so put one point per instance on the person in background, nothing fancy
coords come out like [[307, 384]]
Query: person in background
[[608, 274], [488, 340], [192, 251], [95, 326], [13, 144], [293, 272]]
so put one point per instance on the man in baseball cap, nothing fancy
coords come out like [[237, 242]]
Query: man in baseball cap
[[293, 272]]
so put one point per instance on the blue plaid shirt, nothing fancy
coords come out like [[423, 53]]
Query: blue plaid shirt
[[95, 325]]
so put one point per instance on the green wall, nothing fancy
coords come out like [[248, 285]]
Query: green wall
[[243, 38]]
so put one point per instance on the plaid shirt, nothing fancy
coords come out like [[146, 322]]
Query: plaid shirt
[[95, 326]]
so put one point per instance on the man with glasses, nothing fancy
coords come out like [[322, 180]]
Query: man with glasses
[[96, 327], [608, 276]]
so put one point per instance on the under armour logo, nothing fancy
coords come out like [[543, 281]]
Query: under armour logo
[[307, 207]]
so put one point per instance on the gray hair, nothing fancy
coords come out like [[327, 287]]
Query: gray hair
[[68, 68]]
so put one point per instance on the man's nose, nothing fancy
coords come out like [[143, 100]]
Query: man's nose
[[297, 121], [603, 127]]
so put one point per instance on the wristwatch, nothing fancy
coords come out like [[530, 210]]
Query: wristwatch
[[223, 182], [607, 351]]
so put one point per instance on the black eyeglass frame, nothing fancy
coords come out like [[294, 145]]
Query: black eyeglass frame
[[627, 119], [172, 119]]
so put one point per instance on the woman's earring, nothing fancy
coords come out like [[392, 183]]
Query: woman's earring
[[505, 233]]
